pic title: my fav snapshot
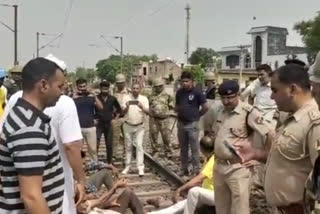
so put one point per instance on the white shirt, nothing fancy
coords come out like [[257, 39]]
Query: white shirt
[[135, 115], [262, 94], [66, 128]]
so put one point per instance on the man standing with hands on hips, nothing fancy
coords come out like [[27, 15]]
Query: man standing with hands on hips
[[135, 109]]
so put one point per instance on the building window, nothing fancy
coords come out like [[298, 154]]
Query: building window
[[145, 71], [258, 51], [247, 61], [156, 69], [276, 64], [232, 61], [150, 69]]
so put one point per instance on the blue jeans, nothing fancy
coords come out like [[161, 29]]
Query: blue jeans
[[188, 135]]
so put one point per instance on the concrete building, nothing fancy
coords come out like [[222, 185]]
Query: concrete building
[[145, 72], [268, 46], [163, 69]]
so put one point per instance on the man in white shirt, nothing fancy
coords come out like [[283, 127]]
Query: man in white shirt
[[67, 132], [135, 108]]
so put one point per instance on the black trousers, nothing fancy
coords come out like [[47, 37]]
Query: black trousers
[[106, 130]]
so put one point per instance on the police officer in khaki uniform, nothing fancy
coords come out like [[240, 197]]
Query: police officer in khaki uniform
[[291, 155], [314, 74], [160, 104], [119, 93], [237, 121], [214, 105]]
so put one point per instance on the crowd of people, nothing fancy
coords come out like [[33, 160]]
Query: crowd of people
[[260, 145]]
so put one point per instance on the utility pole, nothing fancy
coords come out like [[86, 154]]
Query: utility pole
[[121, 53], [15, 34], [38, 44], [187, 32]]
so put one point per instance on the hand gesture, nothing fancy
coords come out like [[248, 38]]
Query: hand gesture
[[245, 150]]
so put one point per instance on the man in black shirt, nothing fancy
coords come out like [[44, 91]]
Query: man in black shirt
[[111, 110], [188, 102], [86, 103]]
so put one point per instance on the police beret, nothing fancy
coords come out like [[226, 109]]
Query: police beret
[[228, 87], [294, 61]]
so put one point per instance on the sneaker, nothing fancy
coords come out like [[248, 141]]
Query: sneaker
[[141, 173], [126, 170]]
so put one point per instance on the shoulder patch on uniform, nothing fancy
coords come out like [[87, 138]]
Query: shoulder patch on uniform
[[314, 115]]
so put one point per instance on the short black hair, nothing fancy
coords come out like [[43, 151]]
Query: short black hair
[[294, 74], [81, 81], [264, 67], [207, 143], [36, 70], [104, 84], [186, 75]]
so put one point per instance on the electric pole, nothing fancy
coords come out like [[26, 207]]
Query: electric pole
[[187, 32], [15, 34]]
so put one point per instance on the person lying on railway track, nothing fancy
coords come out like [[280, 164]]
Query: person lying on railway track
[[196, 196], [100, 173], [114, 201]]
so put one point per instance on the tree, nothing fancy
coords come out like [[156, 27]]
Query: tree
[[86, 73], [310, 32], [202, 57], [110, 67]]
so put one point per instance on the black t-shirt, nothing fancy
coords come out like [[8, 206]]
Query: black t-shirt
[[110, 106], [189, 102], [86, 110]]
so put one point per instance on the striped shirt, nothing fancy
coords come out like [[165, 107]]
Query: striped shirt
[[28, 148]]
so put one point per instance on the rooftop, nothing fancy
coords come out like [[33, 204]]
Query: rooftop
[[267, 28]]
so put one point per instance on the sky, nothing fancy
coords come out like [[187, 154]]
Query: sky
[[147, 26]]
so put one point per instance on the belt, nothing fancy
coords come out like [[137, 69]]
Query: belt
[[291, 209], [159, 118], [228, 161], [130, 124]]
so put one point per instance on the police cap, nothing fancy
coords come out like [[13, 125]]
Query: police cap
[[228, 87]]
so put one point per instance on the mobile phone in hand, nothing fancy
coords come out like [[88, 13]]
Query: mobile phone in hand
[[133, 102]]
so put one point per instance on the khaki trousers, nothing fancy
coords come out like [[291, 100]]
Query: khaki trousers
[[90, 138], [231, 189]]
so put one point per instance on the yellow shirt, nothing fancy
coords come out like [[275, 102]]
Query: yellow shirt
[[2, 99], [207, 171]]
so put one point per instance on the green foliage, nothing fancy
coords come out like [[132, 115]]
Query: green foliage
[[110, 67], [197, 73], [310, 32], [202, 57], [86, 73]]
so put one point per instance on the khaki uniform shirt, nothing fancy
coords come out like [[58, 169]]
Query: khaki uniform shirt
[[292, 156], [160, 104], [231, 127]]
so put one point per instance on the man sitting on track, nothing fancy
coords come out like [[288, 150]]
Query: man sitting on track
[[197, 196]]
